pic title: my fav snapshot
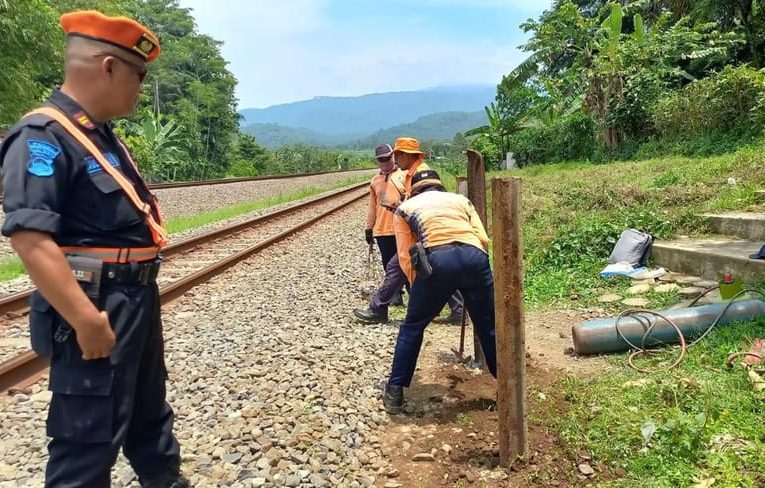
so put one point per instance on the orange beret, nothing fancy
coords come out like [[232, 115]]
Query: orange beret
[[118, 31]]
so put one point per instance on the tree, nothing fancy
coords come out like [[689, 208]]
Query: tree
[[29, 66], [252, 158]]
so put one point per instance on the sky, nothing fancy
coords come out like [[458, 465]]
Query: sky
[[289, 50]]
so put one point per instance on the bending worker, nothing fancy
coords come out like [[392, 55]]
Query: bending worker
[[452, 256], [379, 225], [410, 159], [89, 231]]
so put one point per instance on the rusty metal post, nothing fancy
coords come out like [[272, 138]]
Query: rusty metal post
[[477, 195], [462, 185], [508, 307]]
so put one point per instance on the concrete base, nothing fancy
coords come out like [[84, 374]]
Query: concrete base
[[710, 258], [744, 225]]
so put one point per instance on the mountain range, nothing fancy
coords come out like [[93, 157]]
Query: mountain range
[[363, 121]]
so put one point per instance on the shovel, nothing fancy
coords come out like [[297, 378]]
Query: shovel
[[460, 353], [370, 264]]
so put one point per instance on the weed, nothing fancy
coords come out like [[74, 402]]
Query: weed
[[699, 419], [463, 419]]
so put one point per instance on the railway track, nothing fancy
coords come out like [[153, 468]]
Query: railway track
[[225, 181], [193, 261]]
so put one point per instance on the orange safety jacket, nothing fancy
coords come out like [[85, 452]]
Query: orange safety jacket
[[400, 185], [436, 218], [379, 219], [150, 211]]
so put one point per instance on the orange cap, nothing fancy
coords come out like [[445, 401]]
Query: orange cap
[[118, 31], [408, 145]]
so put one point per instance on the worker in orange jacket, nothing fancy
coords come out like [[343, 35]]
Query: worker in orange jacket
[[379, 225], [410, 159], [453, 256]]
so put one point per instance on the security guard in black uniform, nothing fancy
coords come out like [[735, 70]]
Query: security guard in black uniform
[[88, 232]]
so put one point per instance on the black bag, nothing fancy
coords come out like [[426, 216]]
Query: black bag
[[420, 263]]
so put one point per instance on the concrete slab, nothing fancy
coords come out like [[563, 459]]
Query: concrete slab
[[744, 225], [710, 258]]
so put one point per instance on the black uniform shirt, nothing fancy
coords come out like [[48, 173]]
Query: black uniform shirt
[[52, 184]]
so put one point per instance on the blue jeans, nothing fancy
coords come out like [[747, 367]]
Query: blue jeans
[[455, 267]]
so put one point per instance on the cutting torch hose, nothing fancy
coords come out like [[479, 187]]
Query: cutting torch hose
[[639, 314]]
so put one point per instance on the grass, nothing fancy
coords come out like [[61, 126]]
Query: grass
[[194, 221], [666, 429], [574, 212], [11, 266]]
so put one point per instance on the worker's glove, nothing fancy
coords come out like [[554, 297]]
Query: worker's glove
[[368, 235]]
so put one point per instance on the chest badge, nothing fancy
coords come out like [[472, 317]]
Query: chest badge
[[41, 156]]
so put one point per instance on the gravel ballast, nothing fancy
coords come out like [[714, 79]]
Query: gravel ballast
[[272, 382]]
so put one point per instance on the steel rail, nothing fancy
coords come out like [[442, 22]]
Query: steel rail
[[225, 181], [26, 367], [15, 305]]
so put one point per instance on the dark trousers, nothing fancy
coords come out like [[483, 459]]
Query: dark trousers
[[102, 405], [393, 281], [387, 246], [455, 267]]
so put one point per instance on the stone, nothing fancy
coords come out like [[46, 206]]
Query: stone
[[586, 469], [263, 463], [706, 284], [689, 291], [609, 298], [42, 396], [687, 280], [446, 448], [292, 481], [423, 457], [232, 457], [7, 471], [636, 302], [639, 289], [666, 288]]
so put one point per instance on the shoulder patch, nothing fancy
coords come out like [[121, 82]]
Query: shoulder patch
[[41, 156]]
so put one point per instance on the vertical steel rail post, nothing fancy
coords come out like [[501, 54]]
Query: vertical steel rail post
[[510, 326]]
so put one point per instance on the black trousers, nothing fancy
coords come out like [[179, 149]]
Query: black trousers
[[102, 405], [387, 245]]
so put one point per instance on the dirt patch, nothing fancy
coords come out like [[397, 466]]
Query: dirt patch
[[451, 421]]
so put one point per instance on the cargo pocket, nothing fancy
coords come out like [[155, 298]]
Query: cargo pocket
[[42, 319], [82, 407]]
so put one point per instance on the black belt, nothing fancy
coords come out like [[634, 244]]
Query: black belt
[[142, 273], [444, 247]]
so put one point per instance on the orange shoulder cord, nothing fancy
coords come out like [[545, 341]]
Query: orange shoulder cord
[[158, 232]]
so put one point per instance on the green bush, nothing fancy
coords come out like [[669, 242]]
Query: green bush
[[732, 100], [565, 139]]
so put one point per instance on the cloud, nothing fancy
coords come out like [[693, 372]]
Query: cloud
[[296, 50]]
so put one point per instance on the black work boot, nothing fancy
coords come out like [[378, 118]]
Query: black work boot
[[397, 300], [454, 318], [393, 399], [369, 315]]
